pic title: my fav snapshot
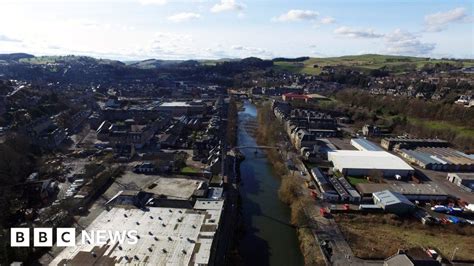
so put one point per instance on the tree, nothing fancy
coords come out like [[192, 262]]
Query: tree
[[376, 175]]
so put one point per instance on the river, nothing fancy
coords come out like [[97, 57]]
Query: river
[[269, 239]]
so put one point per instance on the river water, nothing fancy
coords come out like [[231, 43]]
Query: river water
[[269, 239]]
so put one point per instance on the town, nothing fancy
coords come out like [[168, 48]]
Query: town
[[208, 162]]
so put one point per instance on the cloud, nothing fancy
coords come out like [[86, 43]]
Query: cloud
[[327, 20], [405, 43], [4, 38], [153, 2], [357, 33], [227, 5], [246, 51], [438, 21], [185, 16], [297, 15]]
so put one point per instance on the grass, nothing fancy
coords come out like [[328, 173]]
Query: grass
[[189, 170], [439, 125], [380, 236], [356, 180], [398, 64]]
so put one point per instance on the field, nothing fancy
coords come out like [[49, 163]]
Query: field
[[380, 236], [439, 125], [397, 64]]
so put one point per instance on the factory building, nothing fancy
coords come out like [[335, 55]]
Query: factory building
[[408, 143], [166, 236], [463, 180], [327, 192], [393, 202], [420, 192], [439, 159], [360, 163], [365, 145]]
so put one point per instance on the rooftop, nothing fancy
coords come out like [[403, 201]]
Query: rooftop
[[388, 197], [167, 236], [175, 104], [367, 160], [402, 188]]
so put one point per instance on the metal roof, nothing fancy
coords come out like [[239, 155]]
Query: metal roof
[[388, 197], [365, 144]]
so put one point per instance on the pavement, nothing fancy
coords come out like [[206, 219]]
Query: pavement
[[439, 178]]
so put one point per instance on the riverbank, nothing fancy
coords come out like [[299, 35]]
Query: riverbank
[[270, 133]]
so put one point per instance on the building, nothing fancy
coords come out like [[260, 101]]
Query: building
[[327, 192], [422, 257], [361, 163], [371, 130], [420, 192], [463, 180], [393, 202], [409, 143], [365, 145], [167, 236], [287, 97], [439, 158], [183, 108]]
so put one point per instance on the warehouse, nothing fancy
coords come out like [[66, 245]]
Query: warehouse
[[393, 202], [463, 180], [439, 159], [365, 145], [408, 143], [360, 163], [166, 236], [327, 192], [420, 192]]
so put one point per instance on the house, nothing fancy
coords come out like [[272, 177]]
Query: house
[[370, 130], [404, 258]]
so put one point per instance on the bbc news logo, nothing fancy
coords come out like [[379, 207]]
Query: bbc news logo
[[66, 237]]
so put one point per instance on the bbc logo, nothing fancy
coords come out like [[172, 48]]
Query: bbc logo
[[42, 237]]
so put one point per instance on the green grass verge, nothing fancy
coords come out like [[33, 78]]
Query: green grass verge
[[356, 180], [189, 170]]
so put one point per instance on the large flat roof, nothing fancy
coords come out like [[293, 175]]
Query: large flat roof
[[168, 236], [402, 188], [175, 104], [382, 160]]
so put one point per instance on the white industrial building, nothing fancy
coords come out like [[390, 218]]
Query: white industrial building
[[360, 163], [166, 236]]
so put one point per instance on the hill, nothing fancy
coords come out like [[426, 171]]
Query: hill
[[365, 63]]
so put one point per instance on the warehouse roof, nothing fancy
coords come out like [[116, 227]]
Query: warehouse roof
[[365, 145], [175, 104], [367, 160], [171, 236], [388, 197], [403, 188]]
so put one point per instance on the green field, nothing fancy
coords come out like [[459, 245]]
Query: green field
[[397, 64], [439, 125]]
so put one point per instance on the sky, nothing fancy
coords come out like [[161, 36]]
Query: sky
[[213, 29]]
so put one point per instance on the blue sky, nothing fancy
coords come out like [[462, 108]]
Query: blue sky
[[201, 29]]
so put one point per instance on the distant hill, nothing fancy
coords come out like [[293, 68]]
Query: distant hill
[[367, 62], [15, 56]]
